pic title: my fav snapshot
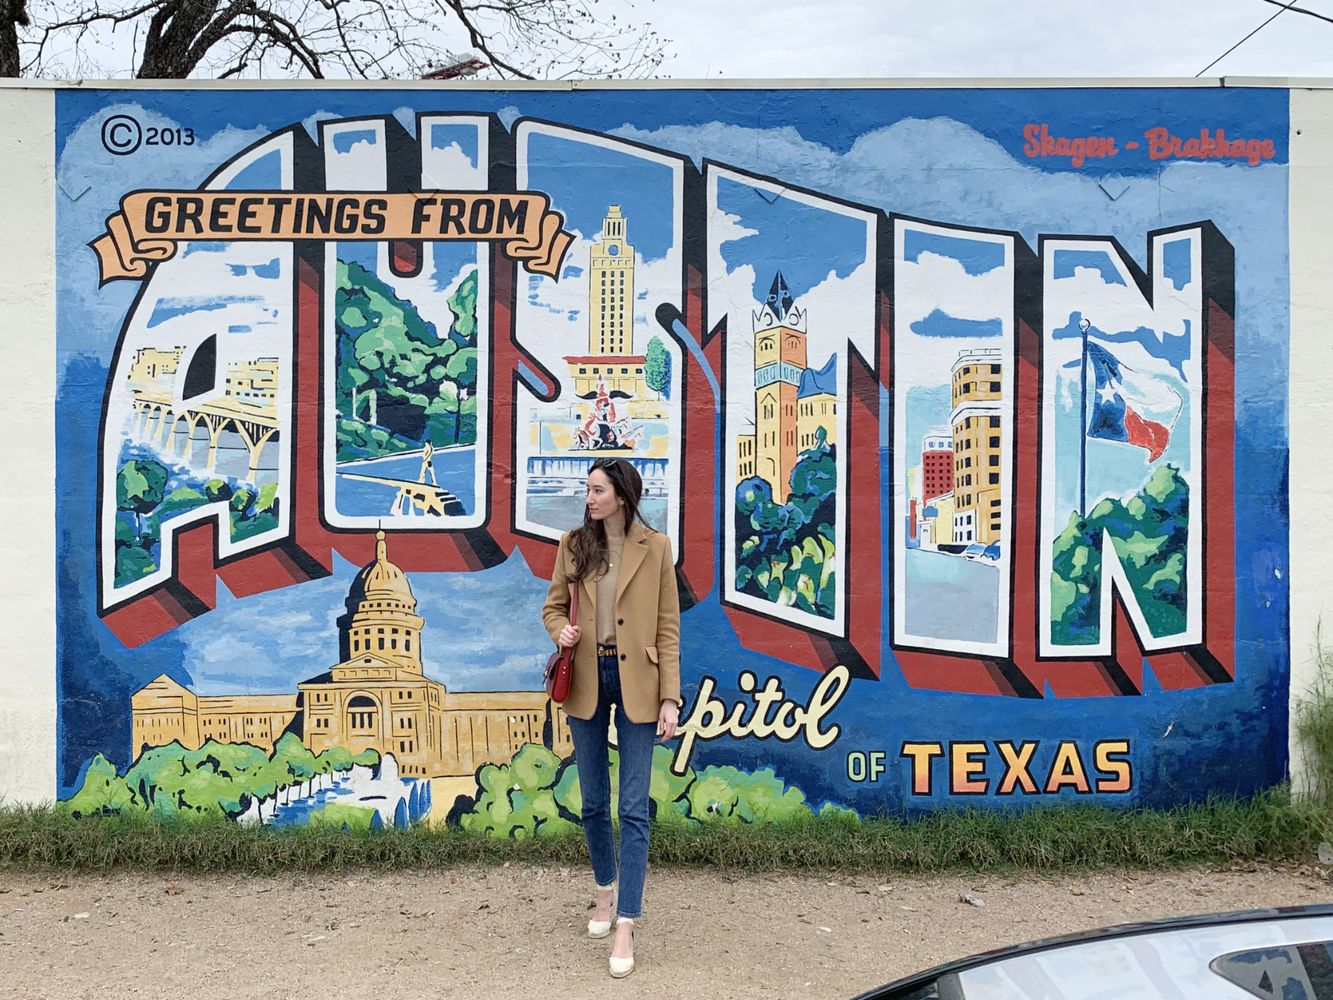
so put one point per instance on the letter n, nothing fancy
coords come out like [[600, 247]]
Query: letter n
[[962, 410], [1136, 526], [795, 285]]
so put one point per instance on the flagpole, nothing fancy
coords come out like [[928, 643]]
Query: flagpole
[[1083, 325]]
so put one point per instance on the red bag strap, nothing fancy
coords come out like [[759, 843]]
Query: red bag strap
[[574, 603]]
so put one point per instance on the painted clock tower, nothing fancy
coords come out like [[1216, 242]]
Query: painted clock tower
[[611, 290]]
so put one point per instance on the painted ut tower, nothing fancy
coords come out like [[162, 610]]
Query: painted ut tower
[[611, 289]]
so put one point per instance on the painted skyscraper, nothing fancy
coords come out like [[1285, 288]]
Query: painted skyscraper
[[611, 289], [977, 452]]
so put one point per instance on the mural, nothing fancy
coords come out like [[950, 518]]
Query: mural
[[949, 411]]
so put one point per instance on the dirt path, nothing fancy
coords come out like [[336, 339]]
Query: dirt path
[[518, 931]]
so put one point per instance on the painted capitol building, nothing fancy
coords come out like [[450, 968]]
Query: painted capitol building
[[377, 697]]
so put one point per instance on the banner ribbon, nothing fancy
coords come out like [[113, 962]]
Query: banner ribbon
[[150, 224]]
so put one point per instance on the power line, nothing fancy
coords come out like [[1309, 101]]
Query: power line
[[1285, 7], [1300, 10]]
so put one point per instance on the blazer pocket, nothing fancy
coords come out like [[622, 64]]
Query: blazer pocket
[[652, 654]]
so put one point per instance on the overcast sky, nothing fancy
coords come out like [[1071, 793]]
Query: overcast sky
[[973, 38], [778, 39]]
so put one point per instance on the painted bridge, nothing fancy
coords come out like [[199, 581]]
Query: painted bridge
[[158, 418]]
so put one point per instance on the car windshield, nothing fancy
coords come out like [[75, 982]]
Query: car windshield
[[1290, 958]]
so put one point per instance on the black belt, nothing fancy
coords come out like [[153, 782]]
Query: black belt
[[605, 650]]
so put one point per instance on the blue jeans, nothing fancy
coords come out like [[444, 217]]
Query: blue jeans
[[636, 766]]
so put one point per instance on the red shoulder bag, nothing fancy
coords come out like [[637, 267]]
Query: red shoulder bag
[[560, 666]]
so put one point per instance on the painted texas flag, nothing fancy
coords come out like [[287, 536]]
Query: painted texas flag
[[1120, 401]]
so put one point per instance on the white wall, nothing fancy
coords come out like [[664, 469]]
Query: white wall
[[27, 489], [1311, 400]]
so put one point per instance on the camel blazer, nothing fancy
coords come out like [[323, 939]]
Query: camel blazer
[[647, 626]]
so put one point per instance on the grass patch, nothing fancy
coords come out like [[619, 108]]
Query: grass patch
[[1312, 719], [1267, 828]]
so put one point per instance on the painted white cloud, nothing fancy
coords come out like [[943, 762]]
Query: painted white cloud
[[726, 227], [363, 165], [259, 307], [937, 281], [450, 168], [838, 310], [1113, 308]]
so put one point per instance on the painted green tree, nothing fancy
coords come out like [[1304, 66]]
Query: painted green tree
[[400, 383], [657, 367], [148, 495], [217, 780], [1150, 532], [103, 792], [538, 794], [140, 488], [785, 551], [518, 799], [251, 510]]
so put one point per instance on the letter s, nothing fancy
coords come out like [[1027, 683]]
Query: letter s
[[1111, 757], [1031, 147]]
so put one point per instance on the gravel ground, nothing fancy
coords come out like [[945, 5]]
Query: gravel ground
[[517, 931]]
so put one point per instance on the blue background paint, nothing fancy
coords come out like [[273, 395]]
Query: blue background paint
[[955, 156]]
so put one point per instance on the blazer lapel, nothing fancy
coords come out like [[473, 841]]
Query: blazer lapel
[[589, 597], [631, 558]]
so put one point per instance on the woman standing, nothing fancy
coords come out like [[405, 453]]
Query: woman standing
[[627, 654]]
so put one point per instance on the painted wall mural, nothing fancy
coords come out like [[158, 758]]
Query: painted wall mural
[[964, 409]]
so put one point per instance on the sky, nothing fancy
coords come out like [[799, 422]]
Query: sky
[[779, 39], [770, 39]]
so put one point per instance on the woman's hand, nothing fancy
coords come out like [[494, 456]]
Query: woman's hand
[[668, 718], [569, 635]]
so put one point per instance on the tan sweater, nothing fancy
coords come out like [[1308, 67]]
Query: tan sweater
[[606, 583]]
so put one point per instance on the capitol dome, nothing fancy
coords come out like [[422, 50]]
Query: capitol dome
[[381, 580]]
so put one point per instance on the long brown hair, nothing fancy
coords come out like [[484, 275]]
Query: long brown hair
[[587, 542]]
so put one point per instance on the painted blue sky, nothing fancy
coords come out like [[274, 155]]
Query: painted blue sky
[[940, 324], [1177, 265], [976, 256], [584, 180], [1173, 348], [270, 642], [265, 174], [343, 141], [1068, 261], [802, 241], [464, 136]]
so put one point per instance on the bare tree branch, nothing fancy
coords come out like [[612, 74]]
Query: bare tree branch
[[526, 39]]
